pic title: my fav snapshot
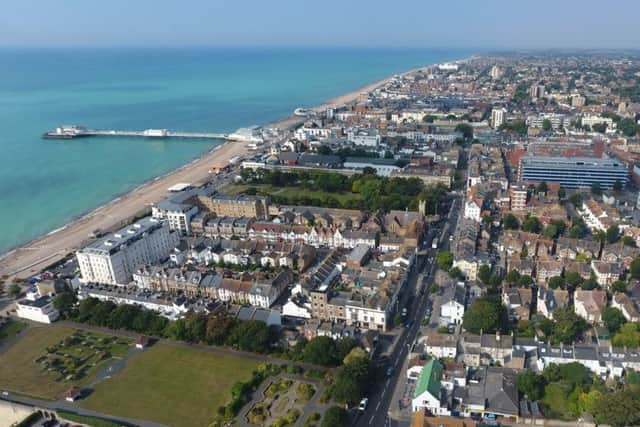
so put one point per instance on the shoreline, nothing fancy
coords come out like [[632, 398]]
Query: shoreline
[[31, 257]]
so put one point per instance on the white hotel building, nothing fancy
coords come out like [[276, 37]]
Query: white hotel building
[[114, 258]]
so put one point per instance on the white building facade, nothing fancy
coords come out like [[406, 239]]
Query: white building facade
[[114, 258]]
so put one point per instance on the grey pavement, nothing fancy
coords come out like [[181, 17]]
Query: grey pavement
[[113, 368]]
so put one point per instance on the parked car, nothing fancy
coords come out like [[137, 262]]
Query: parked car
[[363, 404]]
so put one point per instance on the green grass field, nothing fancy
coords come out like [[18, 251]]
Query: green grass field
[[290, 192], [11, 329], [90, 421], [20, 373], [171, 385]]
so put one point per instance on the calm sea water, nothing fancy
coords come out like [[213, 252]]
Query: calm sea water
[[45, 183]]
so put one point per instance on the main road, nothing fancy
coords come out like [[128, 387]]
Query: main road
[[381, 396]]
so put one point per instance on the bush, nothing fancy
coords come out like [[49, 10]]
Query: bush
[[335, 417], [294, 370], [305, 391]]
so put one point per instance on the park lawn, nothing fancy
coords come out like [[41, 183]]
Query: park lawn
[[11, 329], [20, 373], [292, 192], [172, 385]]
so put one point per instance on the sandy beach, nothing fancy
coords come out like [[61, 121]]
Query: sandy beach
[[34, 256]]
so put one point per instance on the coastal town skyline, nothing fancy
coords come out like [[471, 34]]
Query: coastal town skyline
[[495, 24], [339, 214]]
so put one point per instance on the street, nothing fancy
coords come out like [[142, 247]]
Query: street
[[383, 407]]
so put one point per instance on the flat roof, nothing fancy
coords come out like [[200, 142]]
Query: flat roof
[[179, 187]]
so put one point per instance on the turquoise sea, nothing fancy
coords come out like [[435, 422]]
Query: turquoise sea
[[46, 183]]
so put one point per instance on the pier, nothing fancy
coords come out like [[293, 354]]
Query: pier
[[71, 132]]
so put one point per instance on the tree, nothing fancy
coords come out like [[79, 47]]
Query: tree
[[466, 130], [596, 189], [510, 222], [599, 127], [546, 125], [531, 384], [321, 351], [568, 326], [613, 319], [495, 280], [345, 347], [354, 356], [484, 273], [445, 260], [590, 284], [627, 336], [556, 282], [573, 279], [368, 170], [524, 281], [577, 232], [613, 234], [532, 225], [512, 277], [353, 377], [618, 409], [600, 236], [14, 290], [618, 186], [456, 273], [485, 314], [551, 231], [634, 268], [628, 126], [562, 193], [218, 328], [63, 302], [629, 241], [556, 400], [576, 199], [542, 187], [619, 286], [250, 335], [335, 416]]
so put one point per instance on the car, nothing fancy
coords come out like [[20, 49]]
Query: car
[[404, 311], [363, 404], [408, 324], [390, 371]]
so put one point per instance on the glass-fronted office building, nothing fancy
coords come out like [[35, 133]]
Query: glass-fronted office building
[[573, 172]]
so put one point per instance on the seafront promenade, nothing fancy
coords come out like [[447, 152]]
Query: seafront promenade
[[34, 256]]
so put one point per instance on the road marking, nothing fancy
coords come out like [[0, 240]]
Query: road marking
[[387, 383], [378, 406], [371, 419]]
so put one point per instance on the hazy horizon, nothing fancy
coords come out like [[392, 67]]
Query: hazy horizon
[[490, 25]]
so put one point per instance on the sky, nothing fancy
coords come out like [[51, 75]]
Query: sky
[[326, 23]]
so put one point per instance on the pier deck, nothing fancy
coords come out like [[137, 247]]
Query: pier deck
[[70, 132]]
